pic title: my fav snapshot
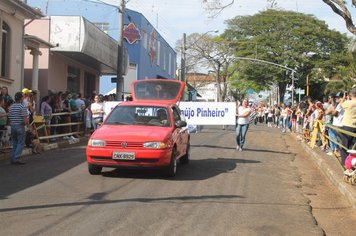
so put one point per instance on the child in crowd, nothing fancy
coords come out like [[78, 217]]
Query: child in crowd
[[350, 162], [33, 142], [350, 166], [270, 117], [294, 119]]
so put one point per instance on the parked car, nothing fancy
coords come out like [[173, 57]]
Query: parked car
[[147, 132]]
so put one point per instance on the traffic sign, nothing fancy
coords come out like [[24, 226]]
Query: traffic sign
[[300, 91]]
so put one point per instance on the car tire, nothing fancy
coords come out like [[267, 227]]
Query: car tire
[[185, 159], [94, 170], [172, 168]]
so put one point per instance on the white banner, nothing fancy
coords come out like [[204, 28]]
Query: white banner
[[199, 113], [108, 106], [209, 113]]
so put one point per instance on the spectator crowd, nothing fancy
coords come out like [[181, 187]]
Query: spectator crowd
[[332, 121], [67, 115]]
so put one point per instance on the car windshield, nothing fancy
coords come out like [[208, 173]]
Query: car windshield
[[139, 115]]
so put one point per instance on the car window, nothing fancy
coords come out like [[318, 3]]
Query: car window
[[139, 115]]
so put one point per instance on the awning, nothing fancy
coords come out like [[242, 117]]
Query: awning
[[79, 39]]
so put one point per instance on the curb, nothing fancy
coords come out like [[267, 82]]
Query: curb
[[46, 147], [333, 171]]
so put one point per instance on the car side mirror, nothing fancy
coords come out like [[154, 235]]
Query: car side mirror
[[180, 123]]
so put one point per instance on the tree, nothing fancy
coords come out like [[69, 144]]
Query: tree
[[215, 7], [213, 53], [287, 38], [340, 8]]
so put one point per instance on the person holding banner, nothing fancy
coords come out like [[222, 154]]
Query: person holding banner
[[242, 114]]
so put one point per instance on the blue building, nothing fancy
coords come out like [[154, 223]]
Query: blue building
[[150, 56]]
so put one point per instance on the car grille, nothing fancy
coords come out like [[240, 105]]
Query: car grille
[[122, 144]]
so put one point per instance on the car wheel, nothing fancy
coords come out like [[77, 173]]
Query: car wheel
[[172, 168], [94, 170], [185, 159]]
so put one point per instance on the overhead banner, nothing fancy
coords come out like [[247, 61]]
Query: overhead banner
[[209, 113], [199, 113]]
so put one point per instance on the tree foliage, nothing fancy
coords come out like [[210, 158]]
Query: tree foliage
[[340, 7], [295, 40], [213, 53]]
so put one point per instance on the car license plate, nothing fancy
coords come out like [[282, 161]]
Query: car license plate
[[123, 156]]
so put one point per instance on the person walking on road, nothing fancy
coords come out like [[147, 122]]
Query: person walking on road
[[19, 118], [242, 114]]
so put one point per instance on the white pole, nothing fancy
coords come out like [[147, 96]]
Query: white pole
[[119, 77]]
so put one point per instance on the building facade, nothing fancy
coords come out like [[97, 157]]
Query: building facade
[[77, 55], [150, 56], [12, 16], [147, 49]]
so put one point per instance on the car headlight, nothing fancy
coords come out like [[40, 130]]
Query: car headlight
[[155, 145], [96, 143]]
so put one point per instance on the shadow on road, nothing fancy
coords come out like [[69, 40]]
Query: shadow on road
[[38, 169], [175, 199], [233, 148], [196, 170]]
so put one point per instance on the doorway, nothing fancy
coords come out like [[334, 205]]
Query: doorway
[[89, 84]]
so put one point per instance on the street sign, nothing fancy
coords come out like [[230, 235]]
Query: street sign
[[300, 91]]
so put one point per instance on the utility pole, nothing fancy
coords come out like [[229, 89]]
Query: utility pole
[[119, 77], [182, 69], [293, 87], [182, 62], [307, 84]]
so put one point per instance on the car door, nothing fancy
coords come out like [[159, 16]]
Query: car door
[[180, 135]]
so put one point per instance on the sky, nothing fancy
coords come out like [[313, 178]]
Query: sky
[[173, 18]]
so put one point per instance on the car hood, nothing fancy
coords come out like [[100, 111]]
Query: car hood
[[132, 133]]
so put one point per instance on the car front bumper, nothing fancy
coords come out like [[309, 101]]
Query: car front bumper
[[145, 158]]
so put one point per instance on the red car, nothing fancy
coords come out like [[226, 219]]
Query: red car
[[147, 132]]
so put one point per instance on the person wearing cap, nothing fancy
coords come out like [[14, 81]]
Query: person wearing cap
[[26, 93], [18, 116], [348, 122]]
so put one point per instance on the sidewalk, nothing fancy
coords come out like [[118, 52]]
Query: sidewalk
[[5, 156], [332, 169]]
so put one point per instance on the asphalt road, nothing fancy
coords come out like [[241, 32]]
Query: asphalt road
[[270, 188]]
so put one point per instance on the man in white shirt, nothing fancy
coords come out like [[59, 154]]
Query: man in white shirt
[[243, 113]]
